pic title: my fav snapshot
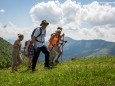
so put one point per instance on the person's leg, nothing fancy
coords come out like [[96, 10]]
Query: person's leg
[[19, 59], [34, 60], [29, 62], [18, 62], [52, 55], [46, 52], [60, 53], [14, 61]]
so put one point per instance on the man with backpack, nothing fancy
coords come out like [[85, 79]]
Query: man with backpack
[[38, 37]]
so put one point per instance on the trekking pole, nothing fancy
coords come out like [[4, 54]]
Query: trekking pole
[[62, 50]]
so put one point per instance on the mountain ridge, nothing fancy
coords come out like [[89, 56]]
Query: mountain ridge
[[72, 49], [88, 48]]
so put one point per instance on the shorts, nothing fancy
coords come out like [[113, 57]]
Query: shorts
[[54, 51], [16, 58]]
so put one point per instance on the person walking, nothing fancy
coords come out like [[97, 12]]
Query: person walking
[[30, 52], [16, 53], [54, 47], [38, 37]]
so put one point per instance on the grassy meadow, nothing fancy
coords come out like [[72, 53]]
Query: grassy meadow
[[95, 71]]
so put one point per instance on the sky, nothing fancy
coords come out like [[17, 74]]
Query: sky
[[80, 19]]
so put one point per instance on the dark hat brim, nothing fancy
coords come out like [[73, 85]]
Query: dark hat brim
[[44, 23]]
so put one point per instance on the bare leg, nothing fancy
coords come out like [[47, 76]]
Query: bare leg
[[60, 53], [29, 62], [13, 66], [52, 55]]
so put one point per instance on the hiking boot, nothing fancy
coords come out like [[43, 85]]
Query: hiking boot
[[13, 71], [48, 67], [29, 67], [16, 69], [56, 61], [51, 64], [34, 70]]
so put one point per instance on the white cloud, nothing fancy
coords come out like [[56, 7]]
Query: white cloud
[[49, 11], [98, 14], [92, 21], [71, 11], [2, 10], [10, 31]]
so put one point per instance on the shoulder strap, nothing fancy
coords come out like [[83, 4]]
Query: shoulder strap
[[40, 32], [34, 31], [45, 33]]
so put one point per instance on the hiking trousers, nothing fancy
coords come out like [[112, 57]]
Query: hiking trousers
[[16, 57], [36, 56]]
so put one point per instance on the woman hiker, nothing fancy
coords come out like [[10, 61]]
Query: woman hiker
[[16, 53], [54, 45]]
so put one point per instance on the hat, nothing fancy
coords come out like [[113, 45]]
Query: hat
[[20, 35], [59, 28], [44, 22]]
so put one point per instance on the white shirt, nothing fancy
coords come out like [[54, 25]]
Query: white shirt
[[40, 38]]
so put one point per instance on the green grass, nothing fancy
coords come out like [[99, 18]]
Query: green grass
[[79, 72]]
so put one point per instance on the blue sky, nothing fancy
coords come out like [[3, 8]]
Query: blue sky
[[17, 11], [89, 19]]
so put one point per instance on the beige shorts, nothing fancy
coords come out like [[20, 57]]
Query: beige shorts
[[54, 51], [16, 58]]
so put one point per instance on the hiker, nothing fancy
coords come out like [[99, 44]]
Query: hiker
[[30, 52], [54, 45], [38, 37], [16, 53]]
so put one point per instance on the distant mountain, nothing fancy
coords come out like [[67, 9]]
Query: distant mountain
[[73, 48], [85, 48], [88, 48]]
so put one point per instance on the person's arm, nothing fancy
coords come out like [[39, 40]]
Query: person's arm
[[28, 43], [34, 38], [61, 36], [16, 44], [20, 46], [61, 40], [34, 41]]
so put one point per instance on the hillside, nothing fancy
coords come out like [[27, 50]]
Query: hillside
[[98, 71], [88, 48], [85, 48], [5, 53]]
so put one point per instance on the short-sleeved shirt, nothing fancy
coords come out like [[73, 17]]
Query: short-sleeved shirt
[[16, 46], [41, 38]]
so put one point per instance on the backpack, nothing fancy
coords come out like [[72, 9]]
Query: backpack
[[38, 34]]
